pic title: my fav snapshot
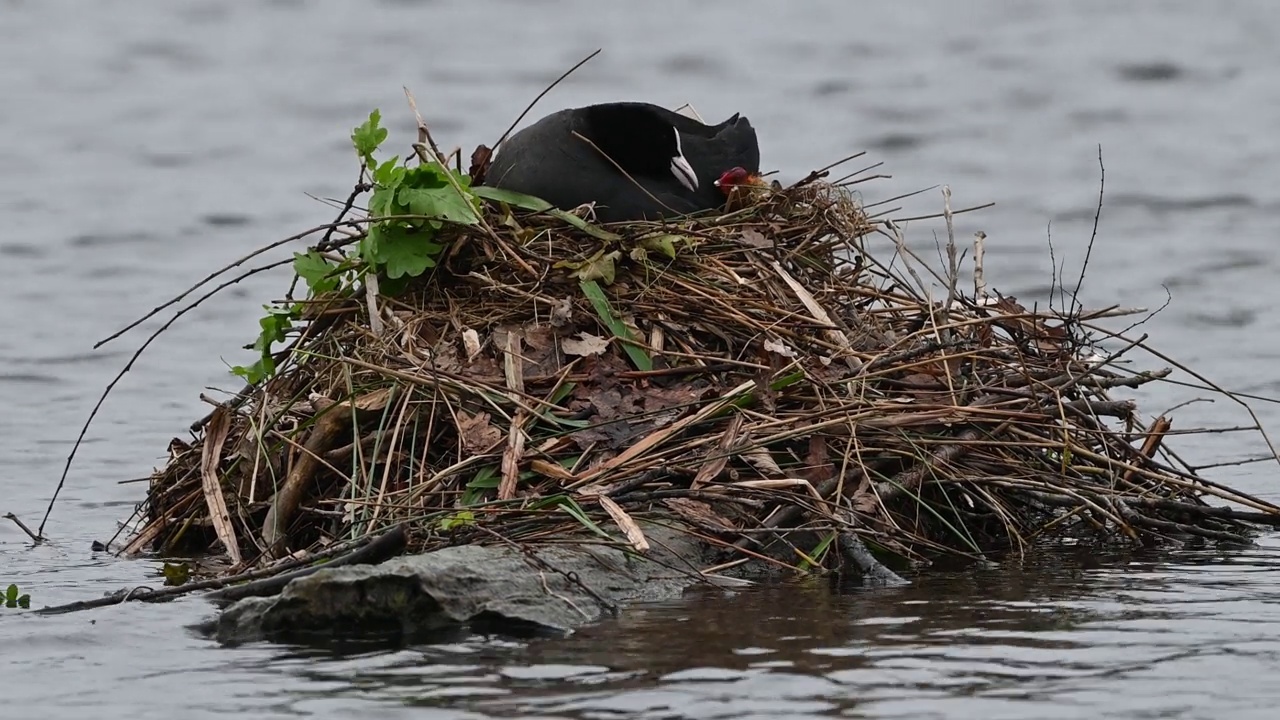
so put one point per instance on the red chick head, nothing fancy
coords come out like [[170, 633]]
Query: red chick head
[[734, 177]]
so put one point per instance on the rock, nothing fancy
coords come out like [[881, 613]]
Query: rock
[[498, 589]]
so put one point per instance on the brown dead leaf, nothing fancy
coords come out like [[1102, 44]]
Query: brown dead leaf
[[624, 411], [753, 238], [779, 348], [634, 534], [1009, 305], [476, 432], [541, 357], [375, 401], [607, 404], [615, 402], [1047, 339], [762, 460], [700, 515], [818, 461], [550, 469], [471, 343], [562, 313], [513, 362], [585, 344], [719, 458], [601, 266], [444, 356], [864, 500], [480, 160], [677, 396], [922, 381]]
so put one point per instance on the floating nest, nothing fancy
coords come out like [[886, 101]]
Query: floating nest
[[784, 381]]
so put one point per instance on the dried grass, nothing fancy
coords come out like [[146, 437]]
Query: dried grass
[[774, 385]]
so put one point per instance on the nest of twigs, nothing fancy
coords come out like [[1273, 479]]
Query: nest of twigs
[[762, 379]]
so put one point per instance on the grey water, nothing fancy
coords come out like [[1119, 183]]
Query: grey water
[[145, 144]]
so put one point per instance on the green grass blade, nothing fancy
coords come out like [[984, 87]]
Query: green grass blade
[[593, 230], [814, 558], [529, 202], [577, 513], [512, 198], [568, 505], [638, 356]]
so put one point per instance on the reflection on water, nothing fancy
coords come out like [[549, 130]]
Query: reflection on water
[[144, 144], [1051, 638]]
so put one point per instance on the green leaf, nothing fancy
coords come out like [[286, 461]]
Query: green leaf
[[391, 288], [575, 510], [458, 519], [429, 176], [368, 136], [383, 202], [665, 244], [318, 272], [566, 422], [601, 266], [600, 302], [443, 203], [485, 479], [24, 602], [11, 594], [389, 174], [176, 574], [512, 198], [570, 506], [562, 392], [403, 253], [274, 325], [577, 513], [260, 370]]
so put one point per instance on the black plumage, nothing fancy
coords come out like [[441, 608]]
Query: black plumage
[[676, 160]]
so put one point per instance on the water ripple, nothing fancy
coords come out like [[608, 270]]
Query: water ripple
[[1151, 72], [1162, 204], [158, 140]]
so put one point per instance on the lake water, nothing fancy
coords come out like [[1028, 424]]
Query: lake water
[[143, 144]]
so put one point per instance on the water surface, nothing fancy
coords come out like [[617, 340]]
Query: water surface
[[144, 144]]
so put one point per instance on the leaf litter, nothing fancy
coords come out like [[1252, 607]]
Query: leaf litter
[[762, 378]]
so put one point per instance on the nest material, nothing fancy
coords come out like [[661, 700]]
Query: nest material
[[761, 379]]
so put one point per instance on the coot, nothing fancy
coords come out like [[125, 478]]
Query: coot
[[675, 159]]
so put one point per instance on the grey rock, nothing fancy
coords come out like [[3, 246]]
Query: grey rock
[[498, 588]]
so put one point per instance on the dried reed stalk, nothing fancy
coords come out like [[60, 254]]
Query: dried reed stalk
[[773, 382]]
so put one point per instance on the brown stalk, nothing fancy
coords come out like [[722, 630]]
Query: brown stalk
[[955, 428]]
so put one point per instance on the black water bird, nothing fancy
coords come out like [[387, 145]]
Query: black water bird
[[634, 160]]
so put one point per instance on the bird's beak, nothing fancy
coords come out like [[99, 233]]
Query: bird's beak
[[684, 173]]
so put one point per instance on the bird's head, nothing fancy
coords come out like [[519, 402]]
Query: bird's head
[[735, 177]]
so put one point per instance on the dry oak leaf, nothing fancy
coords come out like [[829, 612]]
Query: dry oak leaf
[[585, 344], [476, 433]]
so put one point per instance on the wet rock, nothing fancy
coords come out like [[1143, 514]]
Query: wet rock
[[496, 589]]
